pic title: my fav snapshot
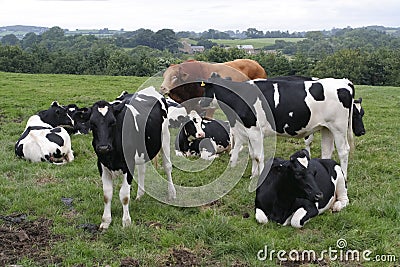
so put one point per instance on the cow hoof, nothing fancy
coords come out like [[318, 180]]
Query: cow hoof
[[337, 206], [126, 222], [171, 193], [104, 226], [261, 217]]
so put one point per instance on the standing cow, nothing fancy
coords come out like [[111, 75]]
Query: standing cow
[[293, 191], [357, 116], [43, 140], [178, 79], [128, 134], [286, 108]]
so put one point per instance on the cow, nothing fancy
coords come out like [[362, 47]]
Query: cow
[[128, 134], [285, 108], [293, 191], [357, 116], [215, 140], [80, 117], [177, 83], [43, 140]]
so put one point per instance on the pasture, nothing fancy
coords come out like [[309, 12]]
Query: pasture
[[57, 232], [257, 43]]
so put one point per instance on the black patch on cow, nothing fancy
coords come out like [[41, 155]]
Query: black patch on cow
[[19, 151], [56, 130], [345, 97], [55, 138], [317, 92]]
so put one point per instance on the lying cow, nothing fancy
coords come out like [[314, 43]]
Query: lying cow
[[192, 141], [177, 83], [296, 190], [80, 117], [128, 134], [285, 108], [43, 140], [357, 116]]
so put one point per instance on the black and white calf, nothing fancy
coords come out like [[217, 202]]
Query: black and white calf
[[213, 140], [287, 108], [293, 191], [43, 140], [128, 134]]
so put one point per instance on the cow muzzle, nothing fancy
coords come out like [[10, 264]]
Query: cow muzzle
[[200, 135], [103, 149]]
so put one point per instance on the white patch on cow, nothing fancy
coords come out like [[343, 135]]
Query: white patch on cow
[[134, 114], [297, 217], [358, 106], [207, 155], [261, 217], [195, 117], [103, 111], [291, 114], [303, 161], [276, 95]]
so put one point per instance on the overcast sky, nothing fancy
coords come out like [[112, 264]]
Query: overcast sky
[[201, 15]]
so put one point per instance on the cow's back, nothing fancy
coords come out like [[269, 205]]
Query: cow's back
[[251, 68]]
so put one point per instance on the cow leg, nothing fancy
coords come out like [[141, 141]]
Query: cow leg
[[304, 211], [256, 150], [167, 165], [106, 178], [124, 196], [342, 199], [239, 141], [327, 143], [141, 173], [343, 149], [308, 140]]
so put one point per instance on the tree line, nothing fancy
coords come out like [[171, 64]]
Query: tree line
[[366, 56]]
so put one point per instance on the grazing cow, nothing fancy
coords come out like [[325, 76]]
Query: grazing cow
[[43, 140], [126, 134], [358, 111], [80, 117], [286, 108], [296, 190], [178, 79], [215, 140]]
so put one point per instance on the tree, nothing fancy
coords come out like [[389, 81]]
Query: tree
[[10, 39]]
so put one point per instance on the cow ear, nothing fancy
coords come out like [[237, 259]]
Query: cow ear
[[360, 100], [55, 104], [117, 107]]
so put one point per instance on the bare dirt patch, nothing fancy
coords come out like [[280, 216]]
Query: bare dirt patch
[[20, 239]]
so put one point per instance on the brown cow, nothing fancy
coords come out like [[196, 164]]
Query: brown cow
[[178, 79]]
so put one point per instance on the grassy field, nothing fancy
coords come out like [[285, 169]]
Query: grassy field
[[223, 233], [256, 42]]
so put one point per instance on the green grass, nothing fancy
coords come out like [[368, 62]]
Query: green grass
[[256, 42], [212, 235]]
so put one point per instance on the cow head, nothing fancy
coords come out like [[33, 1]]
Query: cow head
[[56, 115], [358, 113], [303, 175], [80, 117], [192, 127], [174, 76], [103, 123]]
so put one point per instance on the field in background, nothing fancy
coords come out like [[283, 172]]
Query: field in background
[[257, 43], [223, 233]]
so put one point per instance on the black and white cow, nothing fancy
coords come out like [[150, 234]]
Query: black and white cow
[[80, 117], [293, 191], [357, 116], [215, 138], [286, 108], [43, 140], [125, 135]]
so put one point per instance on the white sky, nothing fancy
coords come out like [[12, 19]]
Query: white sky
[[201, 15]]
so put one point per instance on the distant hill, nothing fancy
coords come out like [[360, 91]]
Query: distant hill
[[21, 30]]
